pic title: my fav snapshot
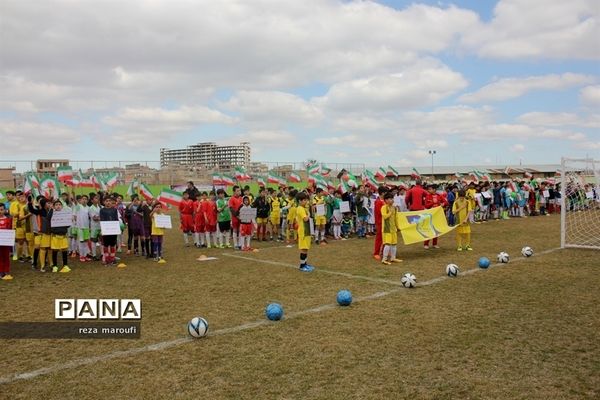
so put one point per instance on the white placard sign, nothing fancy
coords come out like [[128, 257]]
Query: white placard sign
[[110, 228], [345, 206], [247, 214], [162, 221], [487, 195], [589, 195], [7, 237], [337, 216], [61, 218], [320, 209], [546, 193], [312, 226]]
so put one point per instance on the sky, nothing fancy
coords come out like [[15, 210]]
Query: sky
[[480, 82]]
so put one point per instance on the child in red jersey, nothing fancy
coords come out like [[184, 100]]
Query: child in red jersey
[[432, 200], [199, 223], [209, 208], [186, 214], [5, 223]]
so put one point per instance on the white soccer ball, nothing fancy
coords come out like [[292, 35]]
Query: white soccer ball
[[197, 327], [527, 251], [503, 257], [409, 280], [452, 270]]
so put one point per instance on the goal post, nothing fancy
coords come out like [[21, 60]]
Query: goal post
[[580, 203]]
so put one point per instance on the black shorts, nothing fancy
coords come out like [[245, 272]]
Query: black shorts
[[110, 240], [225, 226]]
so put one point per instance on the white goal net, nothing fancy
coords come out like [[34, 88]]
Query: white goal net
[[580, 203]]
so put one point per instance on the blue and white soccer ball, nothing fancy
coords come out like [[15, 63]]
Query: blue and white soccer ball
[[503, 257], [344, 297], [527, 251], [274, 312], [452, 270], [197, 327], [484, 262], [409, 280]]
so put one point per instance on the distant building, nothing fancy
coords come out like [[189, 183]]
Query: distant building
[[208, 155], [50, 166], [7, 178]]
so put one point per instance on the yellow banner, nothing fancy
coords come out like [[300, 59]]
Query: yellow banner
[[418, 226]]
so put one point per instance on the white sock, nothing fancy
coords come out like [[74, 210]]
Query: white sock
[[207, 235], [386, 252], [196, 238], [185, 238], [93, 246], [393, 252], [201, 235], [83, 249], [248, 239], [235, 238], [227, 237]]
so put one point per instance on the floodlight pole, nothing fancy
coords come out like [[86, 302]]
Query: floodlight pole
[[432, 152]]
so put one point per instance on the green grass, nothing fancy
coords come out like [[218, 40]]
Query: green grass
[[525, 330]]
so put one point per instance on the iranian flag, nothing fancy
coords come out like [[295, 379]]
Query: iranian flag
[[65, 174], [317, 180], [474, 176], [131, 188], [343, 187], [227, 180], [294, 177], [111, 180], [558, 172], [457, 175], [324, 170], [528, 175], [507, 170], [77, 178], [391, 172], [241, 174], [415, 174], [28, 187], [330, 185], [146, 192], [350, 179], [484, 176], [46, 185], [217, 180], [171, 197], [35, 182], [312, 167], [261, 181], [380, 174], [87, 182], [274, 178]]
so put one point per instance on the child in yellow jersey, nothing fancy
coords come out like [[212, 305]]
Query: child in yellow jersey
[[304, 237], [320, 219], [291, 230], [157, 234], [470, 196], [275, 214], [389, 230], [461, 209]]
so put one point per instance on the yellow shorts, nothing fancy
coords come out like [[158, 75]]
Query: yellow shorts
[[466, 228], [320, 220], [59, 242], [37, 239], [262, 220], [304, 243], [20, 234], [390, 238], [45, 241], [275, 218], [30, 237]]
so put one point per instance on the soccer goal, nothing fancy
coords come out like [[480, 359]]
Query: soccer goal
[[580, 203]]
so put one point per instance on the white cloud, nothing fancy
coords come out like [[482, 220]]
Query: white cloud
[[272, 107], [28, 137], [264, 139], [537, 118], [422, 84], [588, 145], [504, 131], [510, 88], [517, 148], [590, 96], [538, 28]]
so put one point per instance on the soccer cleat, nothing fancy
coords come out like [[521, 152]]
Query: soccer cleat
[[42, 269], [15, 258], [317, 241], [426, 247], [55, 269], [468, 248], [161, 261], [377, 257], [7, 277], [306, 268], [83, 259], [436, 247], [65, 269], [385, 262], [459, 248], [396, 260]]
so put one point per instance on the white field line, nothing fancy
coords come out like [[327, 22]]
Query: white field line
[[250, 325], [325, 271]]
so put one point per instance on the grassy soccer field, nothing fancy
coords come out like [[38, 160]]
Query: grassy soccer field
[[525, 330]]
